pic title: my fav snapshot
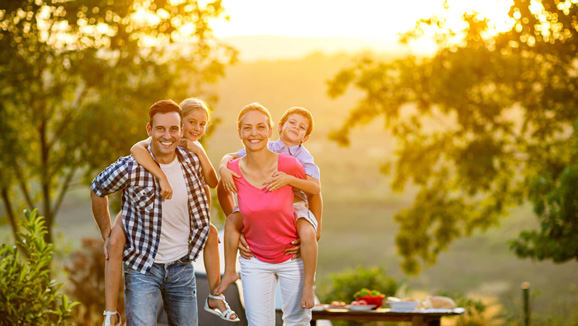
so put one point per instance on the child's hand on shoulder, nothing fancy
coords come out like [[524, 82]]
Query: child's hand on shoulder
[[279, 180], [190, 145], [166, 190], [227, 179]]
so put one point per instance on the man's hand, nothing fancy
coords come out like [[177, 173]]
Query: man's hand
[[227, 179], [244, 250], [279, 180], [295, 251]]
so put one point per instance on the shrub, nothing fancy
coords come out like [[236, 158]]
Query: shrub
[[28, 296], [86, 280], [346, 284]]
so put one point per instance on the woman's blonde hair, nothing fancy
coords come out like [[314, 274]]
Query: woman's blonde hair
[[254, 107], [191, 104]]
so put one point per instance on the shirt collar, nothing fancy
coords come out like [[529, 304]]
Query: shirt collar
[[291, 149]]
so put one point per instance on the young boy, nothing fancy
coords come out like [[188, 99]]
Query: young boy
[[295, 128]]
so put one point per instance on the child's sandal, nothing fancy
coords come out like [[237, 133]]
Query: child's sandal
[[107, 318]]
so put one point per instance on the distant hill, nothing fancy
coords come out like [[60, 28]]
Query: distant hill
[[272, 47]]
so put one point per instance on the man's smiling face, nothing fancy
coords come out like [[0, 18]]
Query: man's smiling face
[[165, 133]]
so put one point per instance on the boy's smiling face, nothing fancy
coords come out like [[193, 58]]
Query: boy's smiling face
[[293, 131]]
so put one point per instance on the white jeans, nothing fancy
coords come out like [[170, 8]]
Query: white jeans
[[259, 284]]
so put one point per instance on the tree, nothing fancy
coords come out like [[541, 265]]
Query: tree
[[488, 122], [77, 80]]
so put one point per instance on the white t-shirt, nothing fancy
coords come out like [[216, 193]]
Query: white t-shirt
[[175, 228]]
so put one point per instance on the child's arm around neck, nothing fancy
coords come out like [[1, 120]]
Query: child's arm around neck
[[143, 157]]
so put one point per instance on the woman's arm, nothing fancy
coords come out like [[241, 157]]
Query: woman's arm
[[208, 170], [142, 156]]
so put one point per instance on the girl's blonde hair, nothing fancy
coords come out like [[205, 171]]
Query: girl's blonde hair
[[254, 107], [191, 104]]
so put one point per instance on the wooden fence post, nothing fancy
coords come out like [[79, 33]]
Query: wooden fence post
[[526, 299]]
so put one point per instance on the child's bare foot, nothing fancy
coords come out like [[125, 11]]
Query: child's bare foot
[[226, 280], [308, 299]]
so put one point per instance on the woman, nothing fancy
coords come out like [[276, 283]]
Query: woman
[[269, 224]]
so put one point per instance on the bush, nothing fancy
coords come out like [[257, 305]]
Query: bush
[[86, 282], [344, 285], [28, 296]]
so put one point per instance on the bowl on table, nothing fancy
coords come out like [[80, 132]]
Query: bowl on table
[[376, 301], [403, 305]]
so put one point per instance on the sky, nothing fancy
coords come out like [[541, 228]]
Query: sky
[[361, 23]]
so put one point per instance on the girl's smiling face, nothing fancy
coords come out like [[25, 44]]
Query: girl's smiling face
[[195, 124]]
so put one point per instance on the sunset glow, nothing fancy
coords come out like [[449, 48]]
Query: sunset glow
[[367, 18]]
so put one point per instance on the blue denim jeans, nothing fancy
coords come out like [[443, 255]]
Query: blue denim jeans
[[174, 281]]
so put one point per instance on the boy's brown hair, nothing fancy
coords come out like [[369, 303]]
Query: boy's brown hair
[[164, 106], [301, 111]]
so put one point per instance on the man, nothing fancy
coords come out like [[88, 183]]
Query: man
[[162, 237]]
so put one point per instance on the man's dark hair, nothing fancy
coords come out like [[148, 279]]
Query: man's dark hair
[[164, 106]]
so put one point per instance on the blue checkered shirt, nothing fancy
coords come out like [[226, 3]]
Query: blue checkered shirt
[[142, 206]]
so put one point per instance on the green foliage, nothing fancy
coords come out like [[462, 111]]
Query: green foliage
[[555, 312], [485, 124], [78, 78], [345, 285], [87, 285], [27, 294]]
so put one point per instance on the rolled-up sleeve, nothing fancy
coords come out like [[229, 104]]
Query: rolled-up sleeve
[[112, 179]]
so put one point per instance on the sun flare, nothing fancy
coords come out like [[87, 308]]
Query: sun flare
[[363, 18]]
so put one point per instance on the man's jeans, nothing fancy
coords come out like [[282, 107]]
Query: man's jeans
[[175, 281]]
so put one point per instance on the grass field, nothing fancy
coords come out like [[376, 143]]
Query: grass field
[[358, 227]]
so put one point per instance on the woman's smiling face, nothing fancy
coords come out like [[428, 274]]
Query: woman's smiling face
[[254, 130]]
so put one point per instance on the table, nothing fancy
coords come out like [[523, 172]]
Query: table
[[429, 317]]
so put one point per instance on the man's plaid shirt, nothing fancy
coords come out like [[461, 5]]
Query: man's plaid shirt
[[142, 206]]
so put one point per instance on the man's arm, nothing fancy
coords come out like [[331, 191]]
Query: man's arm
[[101, 214]]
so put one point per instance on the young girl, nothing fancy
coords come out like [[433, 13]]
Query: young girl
[[196, 116]]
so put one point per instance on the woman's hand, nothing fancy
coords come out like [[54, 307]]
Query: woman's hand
[[244, 250], [295, 251], [279, 180]]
